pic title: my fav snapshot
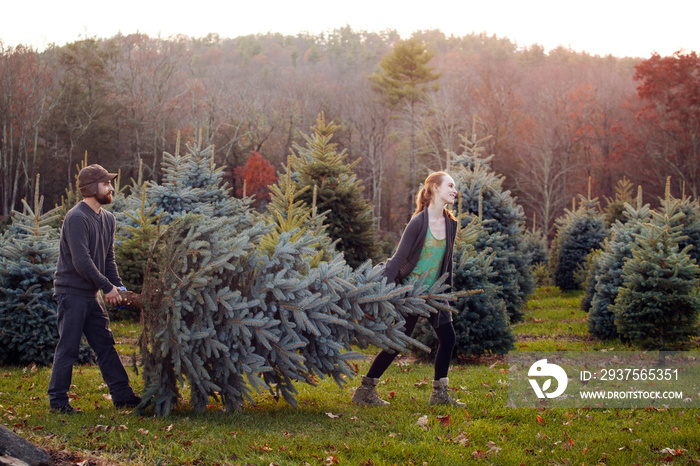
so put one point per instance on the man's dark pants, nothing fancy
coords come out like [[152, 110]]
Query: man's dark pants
[[78, 315]]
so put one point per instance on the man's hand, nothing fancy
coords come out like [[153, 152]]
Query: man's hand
[[113, 297]]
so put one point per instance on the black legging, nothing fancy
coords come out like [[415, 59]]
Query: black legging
[[446, 338]]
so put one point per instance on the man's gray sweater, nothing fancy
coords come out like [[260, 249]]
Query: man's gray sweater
[[86, 259]]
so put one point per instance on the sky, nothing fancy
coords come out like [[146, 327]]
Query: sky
[[613, 27]]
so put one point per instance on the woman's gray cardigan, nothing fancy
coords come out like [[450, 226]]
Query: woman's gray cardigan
[[408, 252]]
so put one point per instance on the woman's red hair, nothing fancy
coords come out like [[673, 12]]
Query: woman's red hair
[[425, 194]]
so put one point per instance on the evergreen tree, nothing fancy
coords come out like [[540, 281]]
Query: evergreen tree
[[404, 82], [610, 276], [481, 190], [348, 215], [134, 242], [615, 208], [237, 306], [137, 230], [591, 271], [28, 256], [481, 324], [578, 233], [689, 222], [658, 303], [535, 245]]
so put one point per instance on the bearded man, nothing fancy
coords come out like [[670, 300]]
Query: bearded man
[[86, 267]]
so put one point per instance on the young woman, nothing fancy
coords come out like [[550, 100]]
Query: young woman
[[426, 246]]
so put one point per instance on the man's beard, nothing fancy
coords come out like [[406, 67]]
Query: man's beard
[[104, 199]]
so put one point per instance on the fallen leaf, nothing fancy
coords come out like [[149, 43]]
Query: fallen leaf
[[445, 420], [541, 420], [462, 439], [333, 416], [423, 422], [673, 451], [142, 431], [493, 449], [421, 383], [391, 395]]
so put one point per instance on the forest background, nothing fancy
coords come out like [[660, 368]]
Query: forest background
[[555, 120]]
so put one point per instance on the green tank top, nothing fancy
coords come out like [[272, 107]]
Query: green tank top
[[430, 259]]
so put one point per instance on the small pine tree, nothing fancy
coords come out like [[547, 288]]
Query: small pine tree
[[348, 214], [590, 273], [481, 323], [578, 233], [481, 190], [658, 304], [135, 243], [689, 222], [615, 208], [28, 256], [609, 276], [535, 245]]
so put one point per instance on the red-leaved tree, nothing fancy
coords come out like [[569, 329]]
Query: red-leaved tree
[[669, 91], [255, 177]]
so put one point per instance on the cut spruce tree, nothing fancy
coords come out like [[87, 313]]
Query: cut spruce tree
[[243, 302]]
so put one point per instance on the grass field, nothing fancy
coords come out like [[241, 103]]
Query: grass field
[[327, 429]]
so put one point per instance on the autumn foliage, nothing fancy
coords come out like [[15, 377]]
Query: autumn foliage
[[555, 118], [254, 177], [669, 91]]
